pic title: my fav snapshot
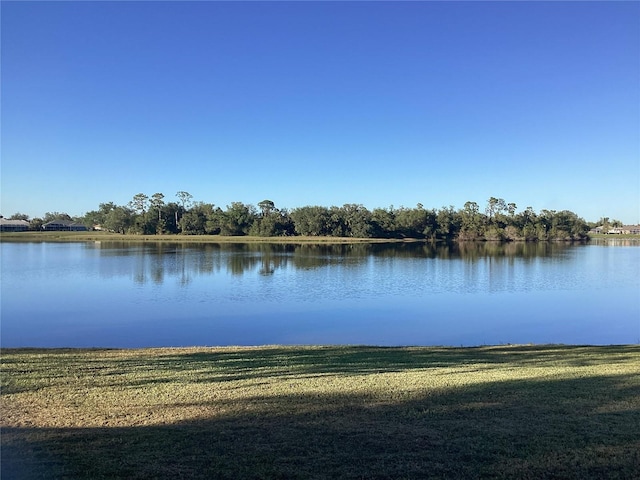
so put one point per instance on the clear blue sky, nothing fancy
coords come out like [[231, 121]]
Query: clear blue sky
[[322, 103]]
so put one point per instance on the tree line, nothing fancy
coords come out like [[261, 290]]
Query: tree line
[[499, 221]]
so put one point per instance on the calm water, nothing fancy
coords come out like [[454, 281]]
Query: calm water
[[138, 295]]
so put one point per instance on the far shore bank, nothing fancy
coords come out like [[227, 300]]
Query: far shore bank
[[117, 237], [97, 236]]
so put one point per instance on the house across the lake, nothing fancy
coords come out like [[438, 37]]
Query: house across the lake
[[623, 230], [64, 225], [13, 225]]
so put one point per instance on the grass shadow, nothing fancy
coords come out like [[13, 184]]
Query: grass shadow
[[584, 427], [522, 429]]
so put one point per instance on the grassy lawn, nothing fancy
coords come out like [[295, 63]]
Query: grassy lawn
[[322, 413], [108, 236], [626, 236]]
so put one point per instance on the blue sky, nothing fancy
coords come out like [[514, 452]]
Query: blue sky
[[322, 103]]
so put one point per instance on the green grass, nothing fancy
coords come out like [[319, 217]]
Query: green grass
[[108, 236], [322, 413], [616, 236]]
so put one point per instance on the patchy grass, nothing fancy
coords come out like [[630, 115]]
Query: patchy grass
[[322, 412], [108, 236]]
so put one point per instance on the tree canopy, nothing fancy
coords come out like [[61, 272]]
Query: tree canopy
[[498, 221]]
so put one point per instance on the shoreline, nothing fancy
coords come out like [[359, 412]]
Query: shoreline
[[179, 238], [59, 236]]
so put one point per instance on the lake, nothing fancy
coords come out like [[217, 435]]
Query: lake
[[120, 294]]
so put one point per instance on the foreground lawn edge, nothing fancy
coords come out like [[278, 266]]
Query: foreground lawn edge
[[531, 411]]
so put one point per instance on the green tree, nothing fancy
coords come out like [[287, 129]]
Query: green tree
[[118, 219], [494, 233], [143, 224], [356, 220], [430, 222], [311, 220], [36, 224], [93, 219], [407, 222], [569, 226], [157, 203], [512, 232], [215, 220], [448, 222], [545, 224], [472, 222], [194, 221], [19, 216], [51, 216], [416, 222], [383, 222], [185, 199], [336, 225], [271, 222], [527, 221], [266, 207], [494, 207], [237, 219], [171, 211], [139, 203], [97, 217]]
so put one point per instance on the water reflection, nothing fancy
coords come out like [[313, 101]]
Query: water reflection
[[177, 294], [155, 262], [612, 241]]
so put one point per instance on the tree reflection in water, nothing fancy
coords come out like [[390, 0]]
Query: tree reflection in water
[[153, 262]]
